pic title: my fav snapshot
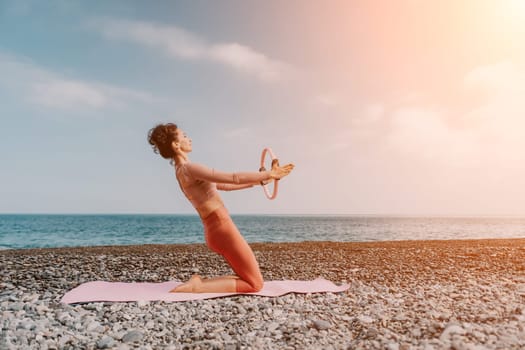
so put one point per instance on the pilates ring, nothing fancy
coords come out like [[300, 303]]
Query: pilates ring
[[275, 161]]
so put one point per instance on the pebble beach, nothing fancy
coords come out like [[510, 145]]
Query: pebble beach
[[456, 294]]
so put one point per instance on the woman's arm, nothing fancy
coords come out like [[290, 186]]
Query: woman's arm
[[232, 187], [201, 172]]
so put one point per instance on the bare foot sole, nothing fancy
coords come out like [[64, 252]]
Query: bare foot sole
[[189, 287]]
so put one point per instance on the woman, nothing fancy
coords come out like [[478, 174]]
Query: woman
[[200, 183]]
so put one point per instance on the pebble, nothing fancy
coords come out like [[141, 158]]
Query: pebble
[[394, 303], [133, 336], [451, 330], [392, 346], [105, 342], [365, 319], [321, 325]]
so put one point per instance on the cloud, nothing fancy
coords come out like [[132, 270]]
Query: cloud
[[491, 134], [422, 133], [495, 78], [329, 100], [246, 60], [50, 89], [181, 44], [65, 94], [501, 119], [371, 115], [236, 133]]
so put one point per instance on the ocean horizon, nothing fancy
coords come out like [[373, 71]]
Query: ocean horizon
[[22, 231]]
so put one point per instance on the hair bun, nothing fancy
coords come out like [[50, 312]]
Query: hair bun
[[161, 137]]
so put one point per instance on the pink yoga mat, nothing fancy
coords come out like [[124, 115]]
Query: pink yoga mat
[[145, 291]]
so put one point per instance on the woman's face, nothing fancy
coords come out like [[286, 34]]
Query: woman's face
[[183, 141]]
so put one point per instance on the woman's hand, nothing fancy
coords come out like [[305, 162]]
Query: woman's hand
[[278, 172]]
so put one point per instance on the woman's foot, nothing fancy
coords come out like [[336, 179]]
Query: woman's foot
[[189, 287]]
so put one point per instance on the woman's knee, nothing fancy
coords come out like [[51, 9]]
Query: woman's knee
[[252, 285], [257, 285]]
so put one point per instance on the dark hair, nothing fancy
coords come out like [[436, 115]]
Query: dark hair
[[161, 137]]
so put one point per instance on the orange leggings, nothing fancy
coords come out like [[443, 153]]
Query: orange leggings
[[223, 237]]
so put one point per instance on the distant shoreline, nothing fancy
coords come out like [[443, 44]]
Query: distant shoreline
[[268, 245], [403, 216]]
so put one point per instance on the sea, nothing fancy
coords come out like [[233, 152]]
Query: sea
[[22, 231]]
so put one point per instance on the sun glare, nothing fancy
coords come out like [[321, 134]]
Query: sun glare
[[519, 5], [515, 8]]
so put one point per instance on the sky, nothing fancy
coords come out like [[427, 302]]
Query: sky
[[385, 107]]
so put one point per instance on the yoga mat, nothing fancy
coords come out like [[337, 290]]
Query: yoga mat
[[146, 291]]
